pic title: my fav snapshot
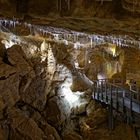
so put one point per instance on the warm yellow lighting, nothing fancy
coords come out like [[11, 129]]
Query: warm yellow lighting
[[113, 49], [89, 61]]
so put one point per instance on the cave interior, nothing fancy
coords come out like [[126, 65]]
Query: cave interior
[[69, 69]]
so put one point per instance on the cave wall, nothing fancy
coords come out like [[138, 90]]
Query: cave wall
[[70, 8]]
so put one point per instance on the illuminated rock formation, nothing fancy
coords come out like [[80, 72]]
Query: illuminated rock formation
[[51, 54]]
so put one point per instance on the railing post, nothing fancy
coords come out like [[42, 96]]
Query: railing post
[[124, 107], [111, 118], [94, 92], [106, 97], [117, 101], [111, 99], [102, 97], [98, 90], [131, 108], [123, 101]]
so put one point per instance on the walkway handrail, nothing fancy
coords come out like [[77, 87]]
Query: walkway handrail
[[119, 99], [114, 85]]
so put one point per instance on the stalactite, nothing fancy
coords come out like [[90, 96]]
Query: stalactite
[[68, 3], [60, 5], [57, 5], [102, 1], [72, 36]]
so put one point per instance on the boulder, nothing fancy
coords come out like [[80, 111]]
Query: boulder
[[57, 111]]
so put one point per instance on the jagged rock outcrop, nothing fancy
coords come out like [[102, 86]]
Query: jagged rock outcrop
[[20, 105], [18, 59], [37, 101]]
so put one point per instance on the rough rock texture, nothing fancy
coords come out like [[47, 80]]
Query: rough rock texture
[[44, 95], [20, 105], [72, 136], [132, 6], [100, 16], [2, 50], [69, 7], [36, 100], [57, 112]]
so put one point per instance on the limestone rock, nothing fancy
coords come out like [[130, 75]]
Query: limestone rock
[[2, 104], [35, 93], [1, 61], [9, 93], [91, 107], [57, 111], [72, 136], [3, 134], [99, 118], [24, 125], [6, 70], [15, 135], [2, 50], [17, 58], [51, 132]]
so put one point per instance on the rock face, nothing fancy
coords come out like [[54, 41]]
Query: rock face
[[21, 101], [69, 7], [67, 13], [45, 86], [37, 101], [132, 6]]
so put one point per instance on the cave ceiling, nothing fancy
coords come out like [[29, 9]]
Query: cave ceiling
[[102, 20]]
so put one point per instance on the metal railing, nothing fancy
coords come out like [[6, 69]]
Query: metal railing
[[118, 99]]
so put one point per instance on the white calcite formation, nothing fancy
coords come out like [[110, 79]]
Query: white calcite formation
[[77, 38]]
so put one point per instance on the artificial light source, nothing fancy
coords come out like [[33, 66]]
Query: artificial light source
[[89, 61]]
